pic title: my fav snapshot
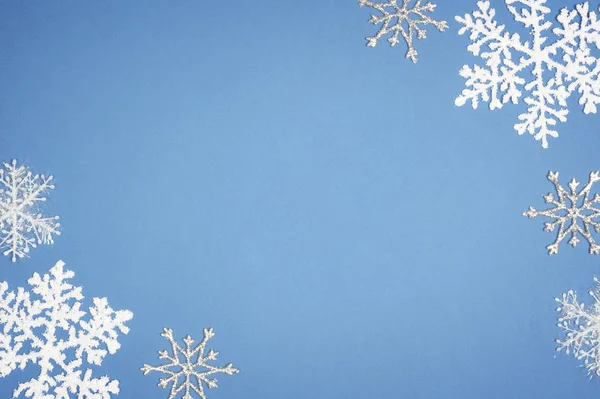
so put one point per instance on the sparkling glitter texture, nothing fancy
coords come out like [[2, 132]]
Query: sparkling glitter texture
[[186, 368], [568, 209], [402, 20], [21, 224], [581, 329], [547, 71]]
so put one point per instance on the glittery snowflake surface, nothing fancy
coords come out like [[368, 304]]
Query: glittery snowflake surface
[[402, 20], [29, 324], [22, 226], [581, 329], [186, 374], [569, 209], [548, 72]]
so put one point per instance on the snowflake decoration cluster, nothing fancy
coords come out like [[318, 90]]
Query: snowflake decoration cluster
[[22, 226], [46, 326], [402, 21], [547, 72], [52, 306], [575, 213]]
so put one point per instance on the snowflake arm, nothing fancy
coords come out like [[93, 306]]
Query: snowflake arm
[[488, 83], [57, 309], [578, 61], [581, 329], [188, 367], [567, 211], [553, 71], [392, 22], [22, 226]]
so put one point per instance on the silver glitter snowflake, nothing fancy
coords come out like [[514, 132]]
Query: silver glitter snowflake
[[183, 372], [569, 209], [550, 66], [402, 20], [22, 226], [581, 328]]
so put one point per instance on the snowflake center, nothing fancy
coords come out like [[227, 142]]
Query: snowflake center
[[187, 368], [574, 213]]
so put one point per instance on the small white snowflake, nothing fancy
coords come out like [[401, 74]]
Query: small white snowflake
[[21, 223], [568, 209], [28, 334], [554, 70], [398, 21], [581, 328], [187, 367]]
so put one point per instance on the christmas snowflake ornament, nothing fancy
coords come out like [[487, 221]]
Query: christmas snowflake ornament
[[545, 73], [28, 335], [22, 226], [402, 20], [581, 329], [185, 373], [573, 213]]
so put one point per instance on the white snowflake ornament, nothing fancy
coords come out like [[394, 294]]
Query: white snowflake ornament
[[402, 20], [548, 72], [22, 226], [28, 335], [186, 374], [581, 329], [571, 209]]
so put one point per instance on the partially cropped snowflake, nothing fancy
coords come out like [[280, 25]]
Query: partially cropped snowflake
[[569, 209], [184, 372], [581, 329], [548, 72], [22, 226], [402, 20], [28, 335]]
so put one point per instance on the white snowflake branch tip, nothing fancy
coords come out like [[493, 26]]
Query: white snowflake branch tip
[[392, 21]]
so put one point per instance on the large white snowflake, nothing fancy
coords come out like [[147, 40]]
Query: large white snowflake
[[547, 72], [581, 328], [21, 223], [28, 334], [402, 20], [568, 209], [181, 370]]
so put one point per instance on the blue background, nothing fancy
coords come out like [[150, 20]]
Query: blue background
[[251, 166]]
